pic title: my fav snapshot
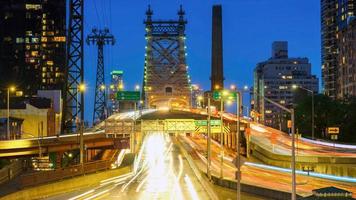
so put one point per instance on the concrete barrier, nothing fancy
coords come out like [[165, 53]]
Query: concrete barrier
[[326, 165], [251, 189], [65, 186]]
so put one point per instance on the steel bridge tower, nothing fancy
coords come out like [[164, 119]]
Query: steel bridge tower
[[166, 79], [73, 99], [100, 38]]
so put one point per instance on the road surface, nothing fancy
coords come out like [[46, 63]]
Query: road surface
[[160, 172], [255, 174]]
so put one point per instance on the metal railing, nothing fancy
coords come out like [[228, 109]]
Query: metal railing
[[42, 177]]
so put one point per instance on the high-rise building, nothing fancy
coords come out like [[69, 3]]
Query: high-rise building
[[32, 44], [334, 17], [347, 61], [117, 84], [274, 79], [197, 96]]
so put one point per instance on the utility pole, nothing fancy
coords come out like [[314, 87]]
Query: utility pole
[[100, 38], [209, 140], [291, 111], [222, 137], [74, 71], [238, 158]]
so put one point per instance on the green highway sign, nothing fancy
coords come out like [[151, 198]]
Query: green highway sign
[[229, 95], [128, 96], [205, 122]]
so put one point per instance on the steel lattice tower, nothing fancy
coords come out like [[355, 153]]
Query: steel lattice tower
[[100, 38], [166, 80], [73, 105]]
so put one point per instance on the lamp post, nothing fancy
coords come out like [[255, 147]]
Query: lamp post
[[224, 93], [81, 88], [209, 140], [291, 111], [9, 89], [313, 106], [238, 147]]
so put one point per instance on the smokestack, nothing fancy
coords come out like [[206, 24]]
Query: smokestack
[[217, 72]]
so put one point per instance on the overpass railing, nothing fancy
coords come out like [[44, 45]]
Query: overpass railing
[[42, 177]]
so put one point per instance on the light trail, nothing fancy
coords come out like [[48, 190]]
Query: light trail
[[81, 195], [98, 194], [191, 188], [313, 174]]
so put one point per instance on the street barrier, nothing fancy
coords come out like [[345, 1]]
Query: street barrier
[[42, 177]]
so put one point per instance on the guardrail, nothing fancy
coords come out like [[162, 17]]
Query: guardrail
[[11, 171], [42, 177]]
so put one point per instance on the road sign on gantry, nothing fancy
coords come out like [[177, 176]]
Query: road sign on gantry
[[230, 95], [128, 96]]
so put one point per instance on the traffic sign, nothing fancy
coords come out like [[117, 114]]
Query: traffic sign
[[333, 130], [334, 137], [128, 96], [230, 95], [289, 123]]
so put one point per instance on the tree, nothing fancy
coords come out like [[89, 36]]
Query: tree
[[328, 113]]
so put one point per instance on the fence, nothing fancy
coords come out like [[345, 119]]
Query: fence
[[42, 177]]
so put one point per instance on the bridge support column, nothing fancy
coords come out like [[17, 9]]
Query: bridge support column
[[59, 156], [233, 140], [248, 142]]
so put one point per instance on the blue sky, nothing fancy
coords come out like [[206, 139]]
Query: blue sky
[[249, 28]]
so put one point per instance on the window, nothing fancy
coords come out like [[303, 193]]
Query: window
[[33, 6]]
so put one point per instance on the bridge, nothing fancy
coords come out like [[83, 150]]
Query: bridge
[[169, 129]]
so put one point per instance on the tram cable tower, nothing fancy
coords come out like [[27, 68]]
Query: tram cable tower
[[73, 99], [100, 38]]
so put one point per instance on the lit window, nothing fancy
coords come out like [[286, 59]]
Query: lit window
[[59, 39], [268, 111], [19, 40], [49, 62], [34, 53], [44, 39], [33, 6]]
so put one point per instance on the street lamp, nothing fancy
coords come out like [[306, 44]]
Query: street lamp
[[81, 89], [9, 89], [238, 158], [312, 94], [224, 94], [291, 111], [137, 87]]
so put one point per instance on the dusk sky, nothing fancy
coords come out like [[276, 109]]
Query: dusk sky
[[249, 28]]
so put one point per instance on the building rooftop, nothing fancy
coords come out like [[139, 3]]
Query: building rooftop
[[20, 103]]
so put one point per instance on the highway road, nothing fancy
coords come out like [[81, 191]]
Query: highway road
[[160, 172], [258, 174]]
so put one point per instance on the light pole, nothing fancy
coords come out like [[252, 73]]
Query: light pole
[[238, 158], [81, 88], [291, 111], [313, 106], [9, 89], [224, 93], [209, 140]]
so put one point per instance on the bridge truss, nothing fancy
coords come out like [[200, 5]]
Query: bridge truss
[[166, 79]]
